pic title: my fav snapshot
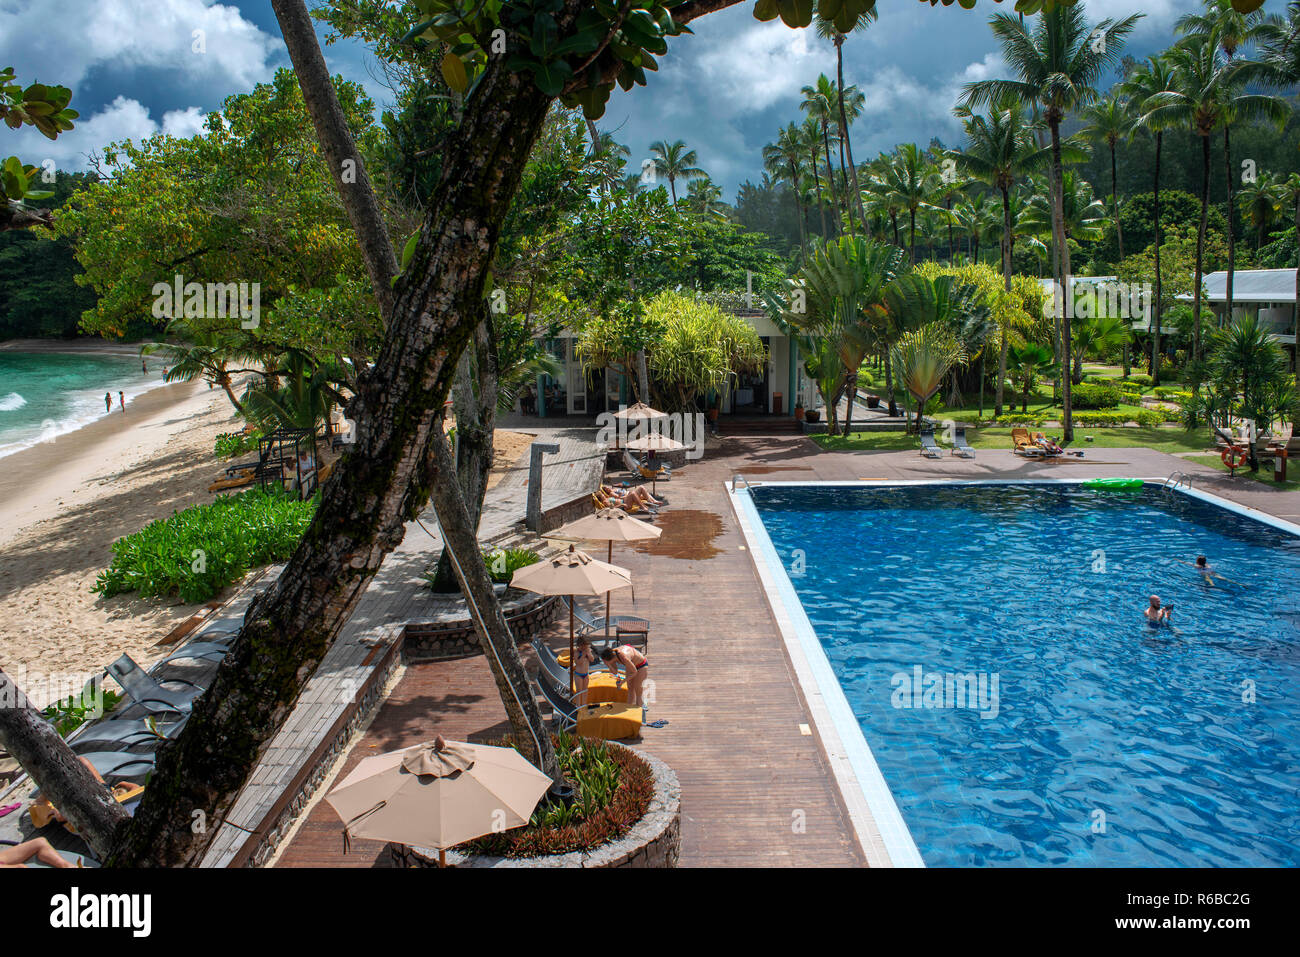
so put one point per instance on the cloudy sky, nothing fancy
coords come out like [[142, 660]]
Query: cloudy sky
[[726, 91]]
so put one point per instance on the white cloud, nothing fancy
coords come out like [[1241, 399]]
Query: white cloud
[[63, 40], [122, 119], [758, 67]]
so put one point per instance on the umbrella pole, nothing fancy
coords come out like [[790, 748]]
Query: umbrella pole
[[572, 599], [611, 561], [442, 858]]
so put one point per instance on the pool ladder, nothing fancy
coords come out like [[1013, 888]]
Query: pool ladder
[[736, 480], [1176, 479]]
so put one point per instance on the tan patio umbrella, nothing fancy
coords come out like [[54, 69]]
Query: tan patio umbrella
[[655, 442], [437, 794], [638, 413], [571, 573], [608, 525]]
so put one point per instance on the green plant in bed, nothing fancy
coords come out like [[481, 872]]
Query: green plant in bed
[[199, 551], [230, 444]]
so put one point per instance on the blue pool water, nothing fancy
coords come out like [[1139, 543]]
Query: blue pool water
[[1108, 743]]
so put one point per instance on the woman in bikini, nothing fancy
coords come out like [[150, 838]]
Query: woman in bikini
[[37, 847], [583, 659], [634, 665], [634, 496]]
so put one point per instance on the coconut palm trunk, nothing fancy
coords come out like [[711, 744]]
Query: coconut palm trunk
[[844, 129], [1058, 234], [1156, 309], [1232, 245], [1006, 285], [1200, 245]]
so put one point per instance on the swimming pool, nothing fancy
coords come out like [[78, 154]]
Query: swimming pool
[[989, 642]]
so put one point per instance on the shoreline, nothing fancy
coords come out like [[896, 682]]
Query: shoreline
[[75, 346]]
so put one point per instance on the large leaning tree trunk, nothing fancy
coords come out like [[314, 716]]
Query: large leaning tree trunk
[[67, 782], [399, 458], [1155, 317], [474, 401]]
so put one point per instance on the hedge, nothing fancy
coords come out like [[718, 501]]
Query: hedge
[[1095, 396], [1146, 418]]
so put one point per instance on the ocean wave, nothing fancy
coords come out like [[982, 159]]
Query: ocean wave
[[12, 402]]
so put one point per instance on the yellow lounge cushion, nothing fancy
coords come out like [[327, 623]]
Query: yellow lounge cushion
[[609, 722]]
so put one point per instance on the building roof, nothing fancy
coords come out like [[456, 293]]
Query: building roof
[[1250, 285]]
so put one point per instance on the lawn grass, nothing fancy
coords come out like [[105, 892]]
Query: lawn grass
[[1264, 475], [999, 437]]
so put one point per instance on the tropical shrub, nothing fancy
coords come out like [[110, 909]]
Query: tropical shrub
[[71, 713], [700, 349], [1146, 418], [1140, 379], [197, 552], [613, 791], [230, 444], [501, 564], [1087, 395]]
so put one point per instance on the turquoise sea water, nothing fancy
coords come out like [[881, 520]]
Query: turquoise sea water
[[1104, 742], [47, 394]]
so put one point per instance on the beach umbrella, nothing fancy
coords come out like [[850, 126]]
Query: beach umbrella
[[571, 573], [637, 413], [608, 525], [437, 794], [655, 442]]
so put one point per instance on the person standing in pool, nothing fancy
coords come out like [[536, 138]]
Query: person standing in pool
[[1155, 614], [108, 402], [122, 399]]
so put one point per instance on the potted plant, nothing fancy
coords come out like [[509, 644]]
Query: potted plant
[[798, 410], [812, 415], [714, 403], [873, 401]]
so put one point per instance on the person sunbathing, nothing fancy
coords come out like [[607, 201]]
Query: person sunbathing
[[37, 847], [1043, 442], [639, 496], [43, 811]]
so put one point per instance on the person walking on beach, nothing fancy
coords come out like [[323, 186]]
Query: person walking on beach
[[108, 402], [122, 399]]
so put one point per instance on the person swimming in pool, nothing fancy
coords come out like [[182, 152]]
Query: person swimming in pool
[[1157, 615], [1206, 571]]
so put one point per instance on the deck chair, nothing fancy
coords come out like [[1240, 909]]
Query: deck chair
[[928, 446], [611, 721], [589, 625], [200, 651], [113, 765], [1022, 444], [148, 693], [662, 474], [959, 444], [1040, 440], [126, 732]]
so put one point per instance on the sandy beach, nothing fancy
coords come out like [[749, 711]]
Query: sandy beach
[[64, 502]]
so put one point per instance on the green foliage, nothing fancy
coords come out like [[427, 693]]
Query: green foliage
[[230, 444], [1146, 418], [44, 107], [1094, 396], [613, 791], [699, 349], [197, 552], [69, 714], [1140, 379]]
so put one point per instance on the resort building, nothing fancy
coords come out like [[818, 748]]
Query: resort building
[[1268, 294], [771, 392]]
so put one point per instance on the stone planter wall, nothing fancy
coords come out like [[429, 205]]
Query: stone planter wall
[[654, 841], [527, 615]]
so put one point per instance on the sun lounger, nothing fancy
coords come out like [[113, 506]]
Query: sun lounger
[[119, 764], [200, 651], [126, 732], [148, 693], [1022, 444], [928, 446], [610, 721], [959, 444], [662, 474]]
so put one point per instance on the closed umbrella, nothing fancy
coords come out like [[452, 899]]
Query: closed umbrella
[[571, 573], [608, 525], [437, 794]]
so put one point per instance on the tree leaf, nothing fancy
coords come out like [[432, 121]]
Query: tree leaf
[[453, 71]]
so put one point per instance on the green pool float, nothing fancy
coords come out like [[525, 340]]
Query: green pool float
[[1112, 483]]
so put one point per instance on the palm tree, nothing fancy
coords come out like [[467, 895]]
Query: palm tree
[[1057, 66], [1156, 76], [304, 398], [810, 138], [1027, 363], [197, 351], [1107, 121], [1261, 202], [821, 103], [1195, 99], [1248, 364], [923, 357], [1000, 151], [1290, 196], [676, 162], [784, 160], [1229, 29], [704, 197], [911, 181], [827, 28]]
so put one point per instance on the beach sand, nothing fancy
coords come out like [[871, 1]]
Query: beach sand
[[63, 503]]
